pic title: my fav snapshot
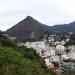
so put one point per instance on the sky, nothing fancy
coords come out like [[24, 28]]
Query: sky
[[49, 12]]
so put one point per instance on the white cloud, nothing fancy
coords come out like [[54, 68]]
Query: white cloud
[[49, 12]]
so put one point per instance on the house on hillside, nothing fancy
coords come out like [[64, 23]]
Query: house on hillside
[[60, 49]]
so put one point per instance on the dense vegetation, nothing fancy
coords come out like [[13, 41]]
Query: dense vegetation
[[72, 40], [16, 60]]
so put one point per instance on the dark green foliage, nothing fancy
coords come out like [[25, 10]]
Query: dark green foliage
[[71, 41], [16, 60], [31, 54], [6, 42], [13, 62]]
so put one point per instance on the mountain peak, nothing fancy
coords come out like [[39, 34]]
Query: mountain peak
[[29, 18], [27, 29]]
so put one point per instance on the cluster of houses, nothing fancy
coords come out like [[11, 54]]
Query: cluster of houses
[[53, 49]]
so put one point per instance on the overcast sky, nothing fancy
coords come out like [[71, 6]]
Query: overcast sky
[[49, 12]]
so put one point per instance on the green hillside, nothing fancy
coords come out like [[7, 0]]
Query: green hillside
[[16, 60]]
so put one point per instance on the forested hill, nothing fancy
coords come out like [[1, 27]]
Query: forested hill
[[16, 60], [64, 27]]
